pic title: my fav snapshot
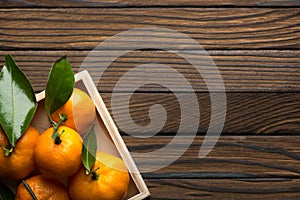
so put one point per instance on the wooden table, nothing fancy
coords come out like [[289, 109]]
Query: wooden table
[[255, 45]]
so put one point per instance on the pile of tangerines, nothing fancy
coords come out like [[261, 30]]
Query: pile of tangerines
[[39, 162]]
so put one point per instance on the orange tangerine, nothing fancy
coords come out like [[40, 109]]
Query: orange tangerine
[[80, 111], [58, 160], [43, 188], [110, 181], [19, 163]]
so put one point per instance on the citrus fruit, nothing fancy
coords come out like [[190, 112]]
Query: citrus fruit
[[58, 159], [80, 111], [111, 184], [43, 188], [19, 163]]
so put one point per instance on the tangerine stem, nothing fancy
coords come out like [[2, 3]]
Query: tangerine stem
[[7, 150], [53, 123], [55, 134], [58, 139], [95, 175], [29, 190]]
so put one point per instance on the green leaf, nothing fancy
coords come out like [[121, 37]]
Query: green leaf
[[6, 193], [17, 100], [59, 86], [89, 150]]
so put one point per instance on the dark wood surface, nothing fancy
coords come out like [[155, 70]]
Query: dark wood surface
[[247, 113], [256, 46], [213, 28], [253, 189], [232, 157], [242, 70], [150, 3], [239, 167]]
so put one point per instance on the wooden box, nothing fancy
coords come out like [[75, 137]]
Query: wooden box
[[108, 137]]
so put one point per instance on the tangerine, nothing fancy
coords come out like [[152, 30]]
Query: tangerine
[[43, 188], [109, 180], [58, 159], [80, 111], [19, 163]]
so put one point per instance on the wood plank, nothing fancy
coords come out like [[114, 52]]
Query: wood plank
[[246, 71], [232, 157], [213, 28], [255, 113], [128, 3], [242, 189]]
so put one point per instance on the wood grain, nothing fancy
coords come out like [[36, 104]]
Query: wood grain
[[242, 71], [242, 189], [256, 46], [213, 28], [137, 3], [246, 113], [232, 157]]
